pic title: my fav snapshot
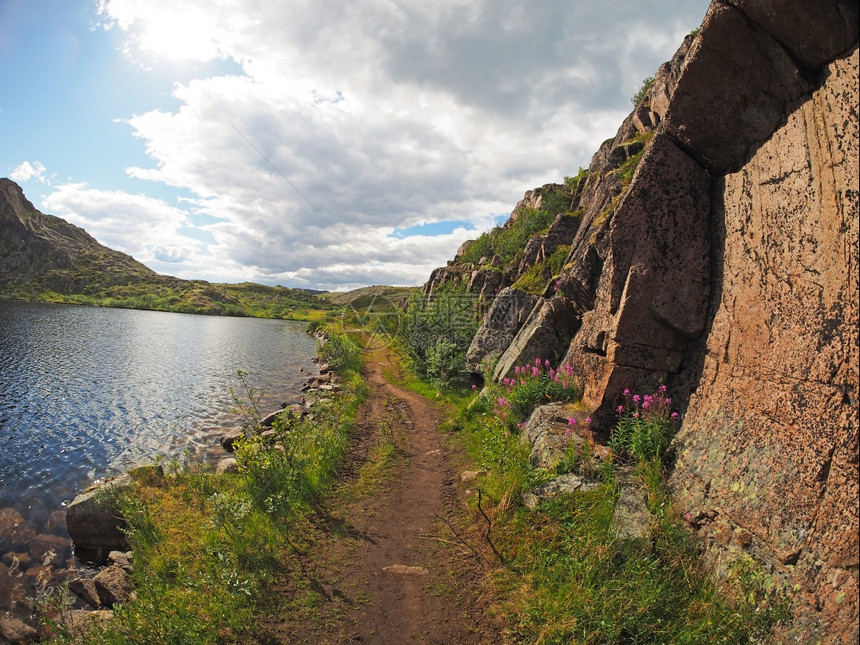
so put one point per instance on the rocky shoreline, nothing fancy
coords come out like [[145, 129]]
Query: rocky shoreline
[[85, 548]]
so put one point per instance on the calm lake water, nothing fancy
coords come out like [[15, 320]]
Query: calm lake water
[[87, 392]]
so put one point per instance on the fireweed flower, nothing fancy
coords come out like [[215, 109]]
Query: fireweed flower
[[626, 392], [474, 387], [636, 398], [588, 419], [571, 421], [674, 415], [546, 363], [502, 401]]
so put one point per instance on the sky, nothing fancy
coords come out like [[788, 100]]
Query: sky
[[312, 143]]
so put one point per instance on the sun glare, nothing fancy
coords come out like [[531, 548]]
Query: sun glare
[[175, 33]]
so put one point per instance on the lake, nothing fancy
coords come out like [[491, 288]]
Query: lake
[[88, 392]]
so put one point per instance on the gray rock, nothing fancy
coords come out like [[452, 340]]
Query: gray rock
[[230, 437], [563, 484], [545, 335], [227, 465], [79, 622], [506, 316], [471, 475], [122, 559], [631, 517], [95, 522]]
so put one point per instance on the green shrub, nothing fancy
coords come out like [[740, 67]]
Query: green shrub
[[636, 99], [436, 334]]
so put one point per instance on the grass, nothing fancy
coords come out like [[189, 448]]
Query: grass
[[566, 577], [162, 293], [206, 546]]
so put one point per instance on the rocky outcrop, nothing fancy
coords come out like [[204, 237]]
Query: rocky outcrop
[[39, 251], [717, 252], [504, 319], [545, 335]]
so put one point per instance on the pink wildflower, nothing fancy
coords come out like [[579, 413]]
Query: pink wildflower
[[517, 369], [535, 372], [668, 401], [474, 387], [564, 384], [636, 398], [546, 363], [646, 404], [502, 401], [674, 415], [571, 421], [588, 419], [635, 415], [620, 409], [662, 389], [626, 392]]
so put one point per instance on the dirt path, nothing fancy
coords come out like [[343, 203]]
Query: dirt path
[[382, 566]]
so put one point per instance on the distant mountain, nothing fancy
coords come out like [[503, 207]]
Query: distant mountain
[[43, 257]]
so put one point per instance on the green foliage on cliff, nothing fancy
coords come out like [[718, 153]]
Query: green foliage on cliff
[[507, 241], [534, 279], [636, 99]]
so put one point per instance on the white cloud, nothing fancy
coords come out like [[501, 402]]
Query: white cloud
[[27, 171], [146, 228], [370, 118]]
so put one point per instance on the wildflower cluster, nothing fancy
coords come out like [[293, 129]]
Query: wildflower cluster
[[536, 384], [646, 425]]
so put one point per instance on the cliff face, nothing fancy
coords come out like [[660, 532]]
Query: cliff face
[[39, 251], [727, 267]]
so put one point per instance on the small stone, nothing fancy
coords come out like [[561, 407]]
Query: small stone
[[229, 438], [402, 569], [17, 631], [78, 622], [85, 589], [122, 559], [227, 465], [470, 475], [113, 586]]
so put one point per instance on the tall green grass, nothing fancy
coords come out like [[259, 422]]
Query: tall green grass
[[207, 546], [565, 576]]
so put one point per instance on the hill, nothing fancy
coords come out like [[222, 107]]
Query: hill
[[45, 258]]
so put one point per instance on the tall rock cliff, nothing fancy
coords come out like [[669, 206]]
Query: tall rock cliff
[[726, 266]]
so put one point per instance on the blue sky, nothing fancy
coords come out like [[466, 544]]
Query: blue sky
[[312, 144]]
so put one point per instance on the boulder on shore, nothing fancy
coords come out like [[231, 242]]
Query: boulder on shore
[[95, 522]]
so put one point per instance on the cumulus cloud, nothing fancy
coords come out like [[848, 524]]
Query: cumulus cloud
[[27, 171], [146, 228], [348, 122]]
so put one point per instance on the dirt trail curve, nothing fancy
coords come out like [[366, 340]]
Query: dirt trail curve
[[389, 570]]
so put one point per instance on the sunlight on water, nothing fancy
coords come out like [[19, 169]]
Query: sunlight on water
[[87, 392]]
